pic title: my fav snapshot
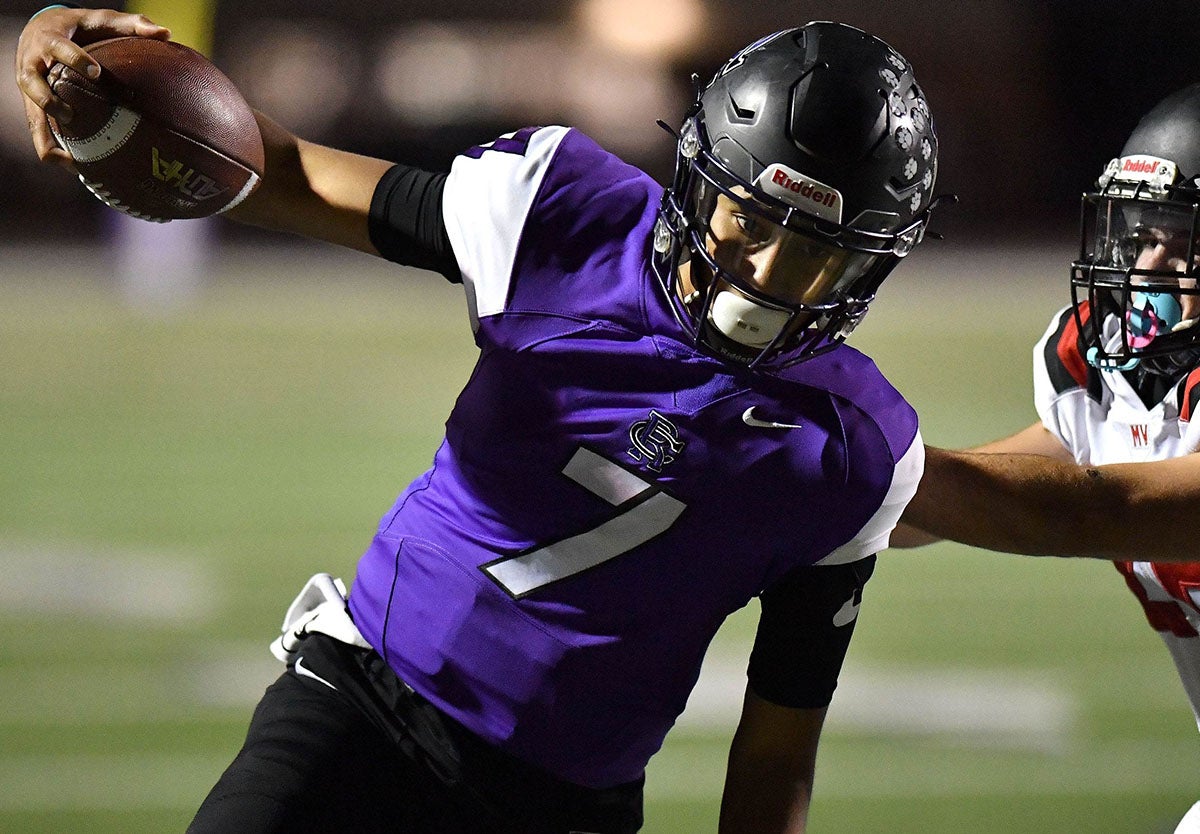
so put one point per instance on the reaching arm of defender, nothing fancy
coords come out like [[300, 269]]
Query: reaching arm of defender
[[1034, 440], [1042, 506]]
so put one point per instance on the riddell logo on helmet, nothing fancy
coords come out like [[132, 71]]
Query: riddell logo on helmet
[[804, 189], [800, 191], [1144, 168], [1134, 165]]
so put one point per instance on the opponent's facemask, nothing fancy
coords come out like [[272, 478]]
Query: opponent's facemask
[[803, 175], [1134, 286]]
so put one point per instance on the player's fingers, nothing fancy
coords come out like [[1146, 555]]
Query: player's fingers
[[97, 24], [147, 28], [48, 38], [43, 140], [55, 49], [31, 79], [60, 35]]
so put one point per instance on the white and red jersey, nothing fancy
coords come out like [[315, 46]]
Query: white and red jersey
[[1101, 417]]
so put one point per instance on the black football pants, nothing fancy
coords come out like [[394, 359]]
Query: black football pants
[[372, 756]]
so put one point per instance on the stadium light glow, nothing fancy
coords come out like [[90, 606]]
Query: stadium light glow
[[662, 29]]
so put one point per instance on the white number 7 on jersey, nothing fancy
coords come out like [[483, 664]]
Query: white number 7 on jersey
[[641, 522]]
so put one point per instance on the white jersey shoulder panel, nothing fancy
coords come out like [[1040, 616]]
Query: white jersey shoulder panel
[[874, 535], [1058, 411], [486, 205]]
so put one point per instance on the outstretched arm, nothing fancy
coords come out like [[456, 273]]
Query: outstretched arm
[[1042, 506], [1034, 440], [312, 190]]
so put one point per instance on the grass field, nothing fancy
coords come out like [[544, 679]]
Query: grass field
[[169, 481]]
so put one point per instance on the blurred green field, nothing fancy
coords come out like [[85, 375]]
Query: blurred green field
[[170, 479]]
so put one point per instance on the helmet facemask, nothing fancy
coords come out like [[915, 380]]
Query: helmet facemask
[[803, 175], [1138, 268], [758, 276]]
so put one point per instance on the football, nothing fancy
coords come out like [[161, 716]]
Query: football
[[162, 134]]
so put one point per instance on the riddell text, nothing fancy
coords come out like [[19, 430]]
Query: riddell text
[[803, 189], [1141, 166]]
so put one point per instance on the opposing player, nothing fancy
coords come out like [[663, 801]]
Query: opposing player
[[663, 424], [1110, 469]]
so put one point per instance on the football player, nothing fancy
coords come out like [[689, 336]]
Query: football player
[[664, 424], [1110, 468]]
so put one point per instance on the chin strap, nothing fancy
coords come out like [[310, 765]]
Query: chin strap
[[1108, 363]]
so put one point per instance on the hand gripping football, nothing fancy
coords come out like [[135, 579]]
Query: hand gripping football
[[162, 134]]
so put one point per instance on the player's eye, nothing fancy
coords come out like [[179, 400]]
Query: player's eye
[[1128, 247], [754, 229], [813, 250], [1144, 237]]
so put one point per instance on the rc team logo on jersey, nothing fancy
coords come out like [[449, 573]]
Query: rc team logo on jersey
[[655, 441]]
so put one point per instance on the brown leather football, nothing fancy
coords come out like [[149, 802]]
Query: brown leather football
[[162, 134]]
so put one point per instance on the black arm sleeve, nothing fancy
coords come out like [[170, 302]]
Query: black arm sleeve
[[406, 224], [807, 619]]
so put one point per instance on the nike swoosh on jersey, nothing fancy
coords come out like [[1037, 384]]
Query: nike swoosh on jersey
[[305, 672], [750, 420], [847, 614]]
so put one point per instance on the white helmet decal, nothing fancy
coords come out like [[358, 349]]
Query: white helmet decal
[[1154, 172], [805, 193]]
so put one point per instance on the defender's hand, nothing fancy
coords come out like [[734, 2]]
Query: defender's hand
[[57, 36]]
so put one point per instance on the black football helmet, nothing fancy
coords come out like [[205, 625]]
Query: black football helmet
[[1140, 246], [804, 173]]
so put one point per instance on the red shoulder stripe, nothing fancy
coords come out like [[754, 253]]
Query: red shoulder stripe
[[1189, 394], [1068, 347]]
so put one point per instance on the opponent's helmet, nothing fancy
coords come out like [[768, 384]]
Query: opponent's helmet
[[1139, 248], [811, 156]]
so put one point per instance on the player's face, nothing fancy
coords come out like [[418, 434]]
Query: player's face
[[1166, 249], [781, 263]]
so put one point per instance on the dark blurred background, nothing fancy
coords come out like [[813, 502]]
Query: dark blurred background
[[1030, 99]]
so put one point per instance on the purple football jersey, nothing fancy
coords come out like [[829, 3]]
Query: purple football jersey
[[606, 493]]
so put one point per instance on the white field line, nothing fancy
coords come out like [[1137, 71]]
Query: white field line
[[990, 708], [1009, 709], [114, 782], [113, 586], [878, 770], [1002, 709], [867, 752]]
